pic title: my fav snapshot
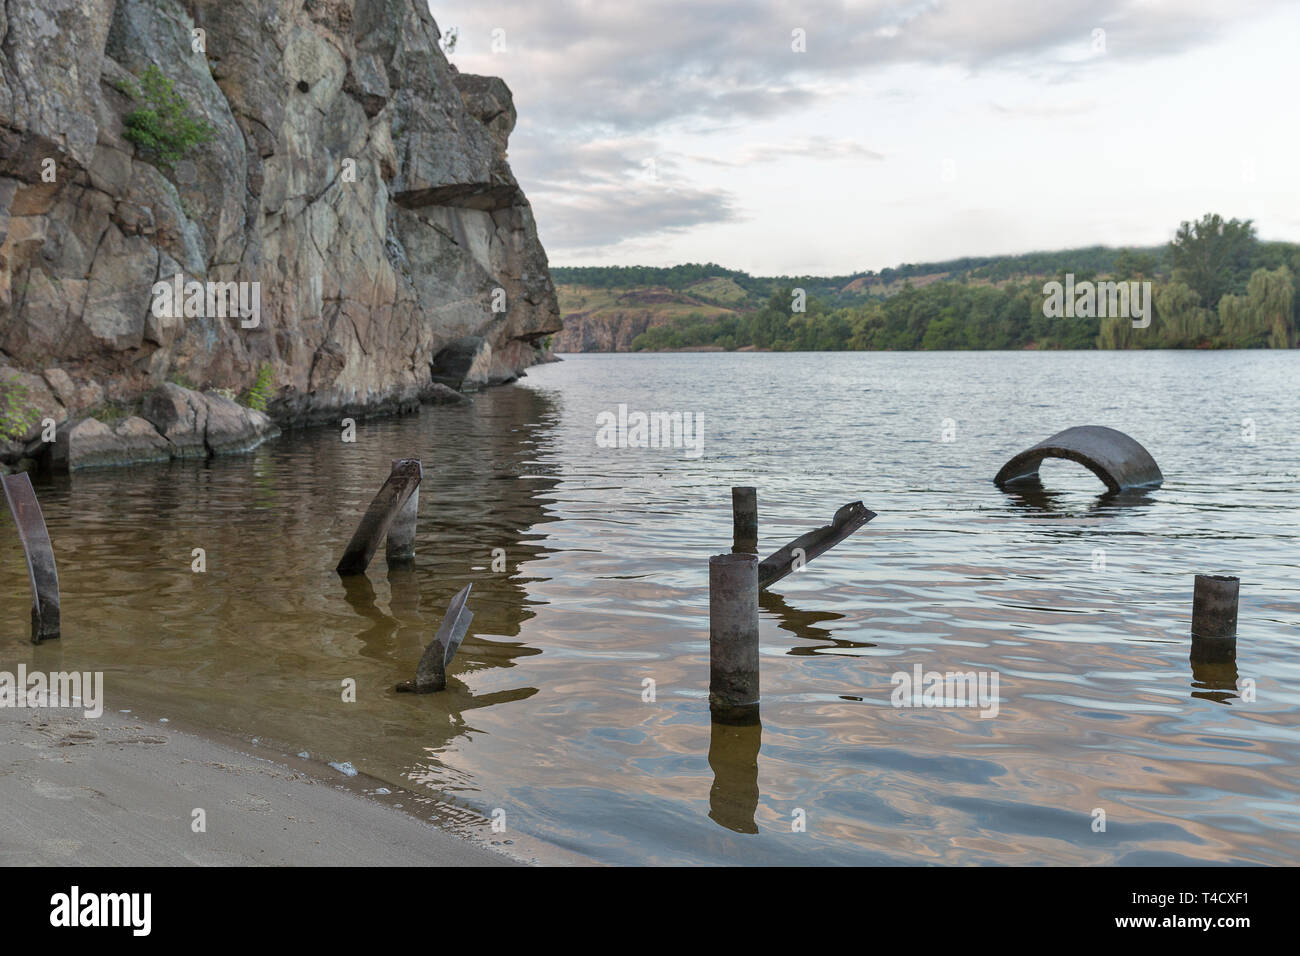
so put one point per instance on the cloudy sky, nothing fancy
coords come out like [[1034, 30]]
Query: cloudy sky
[[663, 131]]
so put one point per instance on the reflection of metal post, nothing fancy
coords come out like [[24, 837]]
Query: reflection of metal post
[[1214, 679], [744, 520], [39, 553], [379, 517], [733, 756], [733, 638], [400, 548]]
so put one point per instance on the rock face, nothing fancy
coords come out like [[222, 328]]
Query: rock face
[[354, 175]]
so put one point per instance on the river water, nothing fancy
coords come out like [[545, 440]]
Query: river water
[[577, 709]]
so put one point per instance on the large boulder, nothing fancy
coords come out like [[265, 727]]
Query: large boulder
[[435, 393], [89, 443], [200, 425]]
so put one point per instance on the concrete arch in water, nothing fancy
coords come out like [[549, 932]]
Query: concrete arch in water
[[1112, 456]]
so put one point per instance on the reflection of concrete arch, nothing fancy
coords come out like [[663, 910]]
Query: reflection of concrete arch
[[1112, 456]]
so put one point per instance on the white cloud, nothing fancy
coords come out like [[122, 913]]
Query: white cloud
[[762, 154]]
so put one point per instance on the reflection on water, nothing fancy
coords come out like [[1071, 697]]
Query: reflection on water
[[589, 568], [1215, 680], [1214, 668], [803, 624], [733, 757], [1034, 496]]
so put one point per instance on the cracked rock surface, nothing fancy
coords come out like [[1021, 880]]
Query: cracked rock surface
[[354, 174]]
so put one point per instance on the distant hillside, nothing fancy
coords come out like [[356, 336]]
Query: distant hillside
[[606, 308], [712, 282], [1215, 285]]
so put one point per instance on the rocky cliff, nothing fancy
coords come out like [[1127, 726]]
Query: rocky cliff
[[353, 174]]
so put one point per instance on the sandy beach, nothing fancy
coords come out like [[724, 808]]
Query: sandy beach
[[121, 791]]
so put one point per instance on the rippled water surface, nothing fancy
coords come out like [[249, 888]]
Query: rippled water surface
[[1081, 605]]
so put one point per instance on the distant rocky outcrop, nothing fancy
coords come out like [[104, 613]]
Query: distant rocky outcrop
[[353, 174], [609, 332], [602, 321]]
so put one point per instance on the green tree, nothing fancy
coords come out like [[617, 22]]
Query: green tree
[[1272, 293], [1263, 317], [18, 415], [1183, 322], [1213, 256], [1133, 264]]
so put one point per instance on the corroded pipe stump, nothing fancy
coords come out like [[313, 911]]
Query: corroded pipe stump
[[1214, 617], [400, 546], [744, 519], [733, 638]]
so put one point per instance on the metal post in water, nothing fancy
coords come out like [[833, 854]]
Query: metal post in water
[[733, 638], [1214, 606], [1214, 617], [744, 519], [381, 515], [400, 548]]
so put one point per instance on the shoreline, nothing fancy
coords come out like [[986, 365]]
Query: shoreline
[[751, 350], [122, 790]]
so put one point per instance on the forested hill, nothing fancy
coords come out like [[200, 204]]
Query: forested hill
[[845, 289], [1215, 285]]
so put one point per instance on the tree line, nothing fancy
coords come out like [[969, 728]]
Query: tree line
[[1215, 285]]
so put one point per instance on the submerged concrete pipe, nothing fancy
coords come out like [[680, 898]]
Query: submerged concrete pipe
[[733, 638], [1111, 455], [39, 553]]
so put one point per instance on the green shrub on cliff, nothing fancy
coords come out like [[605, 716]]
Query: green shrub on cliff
[[17, 413], [162, 124], [259, 393]]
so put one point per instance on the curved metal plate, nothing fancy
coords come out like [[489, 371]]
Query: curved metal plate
[[39, 553], [431, 674]]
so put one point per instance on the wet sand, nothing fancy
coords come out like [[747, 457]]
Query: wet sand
[[121, 791]]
